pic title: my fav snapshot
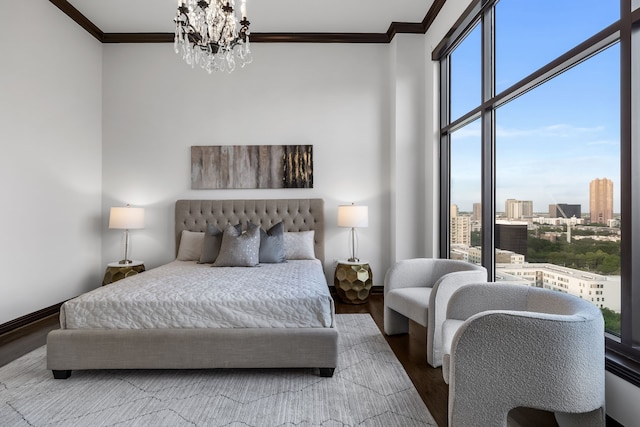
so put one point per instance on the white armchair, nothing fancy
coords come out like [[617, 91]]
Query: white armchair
[[419, 289], [511, 345]]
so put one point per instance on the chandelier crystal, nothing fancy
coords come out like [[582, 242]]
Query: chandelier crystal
[[210, 35]]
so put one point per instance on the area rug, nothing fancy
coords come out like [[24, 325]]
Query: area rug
[[369, 388]]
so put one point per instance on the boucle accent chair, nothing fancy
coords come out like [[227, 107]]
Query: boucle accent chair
[[419, 289], [509, 346]]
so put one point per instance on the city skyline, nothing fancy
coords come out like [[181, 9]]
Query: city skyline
[[543, 211]]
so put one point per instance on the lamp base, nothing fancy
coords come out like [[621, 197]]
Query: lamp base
[[125, 261], [354, 260]]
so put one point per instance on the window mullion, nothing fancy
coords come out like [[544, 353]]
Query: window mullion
[[488, 142], [445, 164], [630, 161]]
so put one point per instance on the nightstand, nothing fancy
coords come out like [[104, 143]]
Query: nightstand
[[353, 281], [116, 271]]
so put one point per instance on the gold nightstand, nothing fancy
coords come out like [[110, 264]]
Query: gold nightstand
[[353, 281], [116, 271]]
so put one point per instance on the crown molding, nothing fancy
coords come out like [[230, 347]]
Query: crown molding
[[79, 18], [394, 28]]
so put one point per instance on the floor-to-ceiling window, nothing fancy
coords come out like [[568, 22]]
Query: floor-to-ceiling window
[[465, 148], [537, 159]]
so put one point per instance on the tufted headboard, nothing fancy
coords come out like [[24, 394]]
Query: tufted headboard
[[297, 215]]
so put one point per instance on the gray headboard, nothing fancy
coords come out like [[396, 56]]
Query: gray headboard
[[297, 215]]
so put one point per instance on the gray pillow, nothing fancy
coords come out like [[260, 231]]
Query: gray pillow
[[272, 244], [239, 249], [211, 244]]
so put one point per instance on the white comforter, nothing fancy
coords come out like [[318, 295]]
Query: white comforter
[[183, 294]]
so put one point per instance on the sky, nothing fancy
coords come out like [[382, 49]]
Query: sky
[[554, 140]]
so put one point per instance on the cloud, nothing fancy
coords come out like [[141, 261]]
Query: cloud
[[559, 130], [552, 163], [605, 142]]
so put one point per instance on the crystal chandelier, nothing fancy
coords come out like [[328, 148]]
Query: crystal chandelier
[[210, 35]]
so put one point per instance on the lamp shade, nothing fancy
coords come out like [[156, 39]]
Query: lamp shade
[[126, 218], [353, 216]]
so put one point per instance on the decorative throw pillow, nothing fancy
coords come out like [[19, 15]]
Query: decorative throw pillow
[[272, 244], [212, 242], [239, 249], [299, 245], [190, 245]]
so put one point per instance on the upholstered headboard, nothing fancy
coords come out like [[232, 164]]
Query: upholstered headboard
[[297, 215]]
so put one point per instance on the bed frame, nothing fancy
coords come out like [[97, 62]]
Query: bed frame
[[69, 349]]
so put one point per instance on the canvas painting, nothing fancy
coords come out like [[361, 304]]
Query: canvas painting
[[251, 166]]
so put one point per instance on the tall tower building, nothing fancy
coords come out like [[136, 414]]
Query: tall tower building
[[512, 236], [518, 209], [477, 212], [601, 200], [460, 228]]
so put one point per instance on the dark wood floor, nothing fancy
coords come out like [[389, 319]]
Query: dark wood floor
[[410, 350]]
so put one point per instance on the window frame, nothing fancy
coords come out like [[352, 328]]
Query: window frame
[[622, 353]]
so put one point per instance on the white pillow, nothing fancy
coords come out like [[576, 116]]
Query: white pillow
[[299, 245], [190, 245]]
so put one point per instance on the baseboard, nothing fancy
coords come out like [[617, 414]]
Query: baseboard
[[30, 318], [610, 422], [377, 290]]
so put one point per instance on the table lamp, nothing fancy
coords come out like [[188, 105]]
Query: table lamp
[[354, 217], [126, 219]]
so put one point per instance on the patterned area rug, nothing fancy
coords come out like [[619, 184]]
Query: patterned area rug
[[369, 388]]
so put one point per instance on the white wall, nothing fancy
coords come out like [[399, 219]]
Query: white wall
[[333, 96], [50, 117], [409, 165]]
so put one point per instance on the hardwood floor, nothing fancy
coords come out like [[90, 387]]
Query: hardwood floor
[[410, 350]]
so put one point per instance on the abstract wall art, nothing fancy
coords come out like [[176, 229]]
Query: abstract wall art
[[251, 166]]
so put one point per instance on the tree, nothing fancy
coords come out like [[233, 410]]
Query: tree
[[476, 238], [610, 264], [586, 254], [611, 321]]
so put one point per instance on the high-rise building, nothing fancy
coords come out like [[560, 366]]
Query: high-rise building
[[460, 227], [512, 236], [477, 212], [601, 200], [518, 209], [564, 210]]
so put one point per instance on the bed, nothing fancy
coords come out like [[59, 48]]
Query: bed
[[193, 341]]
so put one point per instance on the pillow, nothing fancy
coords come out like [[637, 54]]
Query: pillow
[[272, 244], [211, 244], [190, 245], [299, 245], [239, 249]]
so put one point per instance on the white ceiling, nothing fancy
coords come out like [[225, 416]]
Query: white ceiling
[[266, 16]]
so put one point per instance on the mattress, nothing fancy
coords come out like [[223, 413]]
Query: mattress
[[184, 294]]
